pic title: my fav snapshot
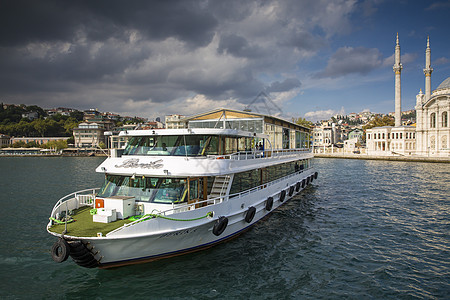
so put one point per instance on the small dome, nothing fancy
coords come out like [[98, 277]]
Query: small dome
[[444, 85]]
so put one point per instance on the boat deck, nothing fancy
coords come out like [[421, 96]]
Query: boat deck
[[84, 226]]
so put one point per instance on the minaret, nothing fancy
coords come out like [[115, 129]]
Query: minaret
[[427, 71], [398, 90]]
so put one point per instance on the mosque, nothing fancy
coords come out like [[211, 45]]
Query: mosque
[[430, 136]]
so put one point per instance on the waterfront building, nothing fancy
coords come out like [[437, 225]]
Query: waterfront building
[[4, 140], [37, 140], [327, 135], [351, 146], [432, 111], [89, 135], [430, 137], [356, 133]]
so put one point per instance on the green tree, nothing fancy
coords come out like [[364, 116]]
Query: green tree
[[58, 145], [77, 115], [302, 122], [40, 126], [378, 122], [69, 125]]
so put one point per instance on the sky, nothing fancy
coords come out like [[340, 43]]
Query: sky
[[291, 58]]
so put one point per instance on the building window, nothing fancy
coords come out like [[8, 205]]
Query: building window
[[444, 142], [433, 120], [444, 119], [432, 142], [383, 135], [400, 135]]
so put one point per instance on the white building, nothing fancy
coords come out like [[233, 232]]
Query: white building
[[174, 121], [89, 135], [432, 127], [326, 135], [430, 137]]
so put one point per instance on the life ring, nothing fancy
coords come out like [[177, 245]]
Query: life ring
[[60, 250], [250, 214], [315, 175], [303, 183], [269, 203], [282, 195], [291, 190], [220, 226], [297, 186]]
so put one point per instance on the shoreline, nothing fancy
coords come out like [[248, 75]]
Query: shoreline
[[316, 155], [54, 155], [388, 158]]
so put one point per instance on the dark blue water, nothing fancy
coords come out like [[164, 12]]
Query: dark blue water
[[363, 230]]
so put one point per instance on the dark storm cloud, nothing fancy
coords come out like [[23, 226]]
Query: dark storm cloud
[[52, 20], [238, 46], [284, 86], [156, 52], [348, 60]]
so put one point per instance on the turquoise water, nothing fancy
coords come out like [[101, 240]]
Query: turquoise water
[[364, 229]]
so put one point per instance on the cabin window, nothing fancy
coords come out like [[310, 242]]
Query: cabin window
[[148, 189], [286, 138], [183, 145]]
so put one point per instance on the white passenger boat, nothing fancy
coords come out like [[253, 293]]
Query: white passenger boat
[[176, 191]]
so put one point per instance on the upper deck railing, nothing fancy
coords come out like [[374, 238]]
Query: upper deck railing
[[257, 154]]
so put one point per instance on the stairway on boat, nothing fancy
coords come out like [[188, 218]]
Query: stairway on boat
[[220, 186]]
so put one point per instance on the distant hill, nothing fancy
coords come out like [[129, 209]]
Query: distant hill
[[33, 121]]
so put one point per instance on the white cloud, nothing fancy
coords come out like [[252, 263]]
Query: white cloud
[[320, 115]]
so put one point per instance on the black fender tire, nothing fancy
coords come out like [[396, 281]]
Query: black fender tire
[[297, 186], [315, 175], [308, 179], [269, 204], [220, 226], [60, 250], [250, 214], [291, 191], [303, 183], [282, 195]]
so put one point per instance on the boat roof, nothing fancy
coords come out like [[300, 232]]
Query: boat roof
[[192, 131]]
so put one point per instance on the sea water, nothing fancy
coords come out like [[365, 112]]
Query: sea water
[[363, 229]]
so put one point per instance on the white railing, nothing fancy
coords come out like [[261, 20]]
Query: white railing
[[83, 197], [213, 201], [258, 154], [257, 188]]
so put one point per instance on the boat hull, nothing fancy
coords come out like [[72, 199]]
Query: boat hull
[[161, 238]]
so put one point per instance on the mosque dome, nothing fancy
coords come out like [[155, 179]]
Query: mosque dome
[[444, 85]]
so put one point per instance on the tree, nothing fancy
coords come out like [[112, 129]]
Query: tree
[[302, 122], [78, 115], [378, 122], [40, 126]]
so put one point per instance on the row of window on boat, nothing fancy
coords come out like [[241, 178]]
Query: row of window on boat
[[167, 190], [191, 145]]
